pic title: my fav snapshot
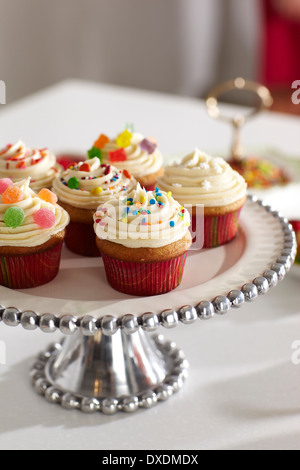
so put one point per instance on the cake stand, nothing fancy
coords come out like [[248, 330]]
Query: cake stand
[[108, 361]]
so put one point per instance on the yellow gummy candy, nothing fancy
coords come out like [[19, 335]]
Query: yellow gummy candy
[[124, 139], [96, 191]]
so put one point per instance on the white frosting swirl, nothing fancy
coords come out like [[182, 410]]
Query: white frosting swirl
[[18, 162], [110, 181], [139, 162], [29, 234], [143, 219], [202, 179]]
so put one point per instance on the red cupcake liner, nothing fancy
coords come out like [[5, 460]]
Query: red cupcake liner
[[296, 227], [144, 279], [151, 187], [81, 239], [27, 271], [216, 230]]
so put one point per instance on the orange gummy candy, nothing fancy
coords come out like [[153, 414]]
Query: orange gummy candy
[[48, 196], [101, 141], [12, 195]]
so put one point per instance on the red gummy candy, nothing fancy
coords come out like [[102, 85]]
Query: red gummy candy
[[85, 167], [118, 155]]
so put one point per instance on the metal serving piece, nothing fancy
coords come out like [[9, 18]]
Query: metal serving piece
[[110, 364]]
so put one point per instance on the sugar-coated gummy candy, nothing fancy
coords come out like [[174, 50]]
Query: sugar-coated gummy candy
[[126, 174], [85, 167], [73, 183], [118, 155], [14, 217], [4, 184], [95, 152], [48, 196], [148, 146], [101, 141], [96, 191], [12, 194], [44, 218], [124, 139]]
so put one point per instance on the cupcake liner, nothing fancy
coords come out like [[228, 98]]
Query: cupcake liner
[[27, 271], [80, 239], [296, 227], [218, 230], [144, 279], [151, 187]]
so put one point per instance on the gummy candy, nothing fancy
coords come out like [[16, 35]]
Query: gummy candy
[[12, 194], [118, 155], [107, 170], [48, 196], [126, 174], [96, 191], [85, 167], [101, 141], [124, 139], [73, 183], [44, 218], [148, 146], [14, 217], [4, 184], [21, 165], [95, 152]]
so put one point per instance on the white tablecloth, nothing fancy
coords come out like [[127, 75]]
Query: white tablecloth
[[243, 390]]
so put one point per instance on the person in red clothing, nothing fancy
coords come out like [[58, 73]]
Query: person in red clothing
[[281, 58]]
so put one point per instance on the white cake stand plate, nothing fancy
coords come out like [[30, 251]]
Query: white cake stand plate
[[107, 360]]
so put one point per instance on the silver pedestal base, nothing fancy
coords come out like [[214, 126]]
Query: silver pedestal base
[[109, 373]]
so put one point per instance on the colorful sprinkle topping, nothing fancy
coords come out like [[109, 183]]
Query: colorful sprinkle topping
[[48, 196], [14, 217], [4, 184], [44, 218], [12, 194]]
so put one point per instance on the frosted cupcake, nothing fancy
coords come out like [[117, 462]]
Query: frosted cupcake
[[18, 162], [200, 179], [80, 190], [32, 230], [143, 240], [132, 152]]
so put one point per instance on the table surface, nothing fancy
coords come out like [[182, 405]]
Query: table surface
[[243, 390]]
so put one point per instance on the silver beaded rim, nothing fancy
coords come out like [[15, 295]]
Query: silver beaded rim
[[172, 383], [169, 318]]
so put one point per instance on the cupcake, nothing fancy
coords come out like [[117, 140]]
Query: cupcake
[[80, 190], [202, 180], [143, 239], [132, 152], [32, 229], [18, 162]]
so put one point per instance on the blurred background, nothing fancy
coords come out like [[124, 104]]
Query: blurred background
[[176, 46]]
